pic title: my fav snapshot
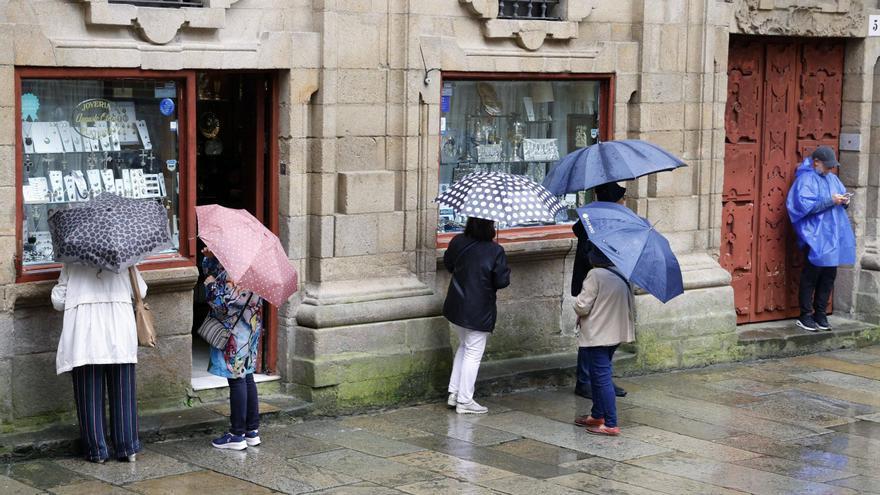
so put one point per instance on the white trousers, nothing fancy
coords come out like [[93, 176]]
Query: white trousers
[[471, 345]]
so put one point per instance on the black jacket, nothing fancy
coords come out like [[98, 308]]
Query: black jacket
[[478, 269], [582, 264]]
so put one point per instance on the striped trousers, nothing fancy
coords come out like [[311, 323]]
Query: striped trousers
[[88, 392]]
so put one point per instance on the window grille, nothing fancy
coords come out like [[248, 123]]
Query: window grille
[[544, 10], [163, 3]]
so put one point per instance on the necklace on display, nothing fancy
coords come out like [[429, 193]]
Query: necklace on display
[[27, 165], [28, 130]]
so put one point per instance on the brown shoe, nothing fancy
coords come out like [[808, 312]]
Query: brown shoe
[[588, 421], [604, 430]]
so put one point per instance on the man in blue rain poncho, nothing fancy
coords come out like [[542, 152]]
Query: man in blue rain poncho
[[816, 205]]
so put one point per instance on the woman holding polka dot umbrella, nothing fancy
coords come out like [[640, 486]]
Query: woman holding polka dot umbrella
[[505, 198], [478, 266], [244, 263]]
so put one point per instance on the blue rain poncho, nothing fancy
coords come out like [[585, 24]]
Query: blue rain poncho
[[820, 225]]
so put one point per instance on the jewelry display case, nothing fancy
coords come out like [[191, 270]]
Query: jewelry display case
[[80, 137], [521, 127]]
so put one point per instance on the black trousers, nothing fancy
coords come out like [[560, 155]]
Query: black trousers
[[815, 290], [244, 405]]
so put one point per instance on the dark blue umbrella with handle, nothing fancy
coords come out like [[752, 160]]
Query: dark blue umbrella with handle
[[640, 252], [609, 161]]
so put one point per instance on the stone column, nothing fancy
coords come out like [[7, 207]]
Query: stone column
[[367, 330]]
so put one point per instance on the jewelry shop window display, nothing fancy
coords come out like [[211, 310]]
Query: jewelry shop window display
[[82, 137], [520, 127]]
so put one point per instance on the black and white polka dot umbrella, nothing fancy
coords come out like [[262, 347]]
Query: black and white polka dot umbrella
[[512, 199]]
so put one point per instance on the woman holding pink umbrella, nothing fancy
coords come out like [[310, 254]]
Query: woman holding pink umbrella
[[244, 264]]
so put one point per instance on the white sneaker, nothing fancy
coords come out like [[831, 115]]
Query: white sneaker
[[452, 401], [470, 408]]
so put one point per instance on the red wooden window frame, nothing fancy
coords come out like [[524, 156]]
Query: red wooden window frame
[[606, 132], [186, 94]]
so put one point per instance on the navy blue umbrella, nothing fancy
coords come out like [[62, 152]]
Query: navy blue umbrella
[[610, 161], [640, 253]]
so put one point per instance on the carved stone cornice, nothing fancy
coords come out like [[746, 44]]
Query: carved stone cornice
[[840, 18], [157, 25], [531, 34]]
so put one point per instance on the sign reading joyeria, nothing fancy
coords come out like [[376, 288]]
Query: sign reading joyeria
[[88, 113]]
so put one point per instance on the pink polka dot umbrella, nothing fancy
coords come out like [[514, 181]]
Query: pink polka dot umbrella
[[251, 254]]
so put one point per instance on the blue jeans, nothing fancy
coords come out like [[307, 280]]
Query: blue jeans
[[583, 370], [604, 401], [244, 408]]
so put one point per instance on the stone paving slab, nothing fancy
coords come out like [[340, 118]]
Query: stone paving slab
[[523, 485], [570, 436], [683, 443], [646, 478], [684, 426], [199, 482], [451, 466], [12, 487], [534, 466], [335, 432], [254, 465], [794, 469], [370, 468], [90, 488], [150, 464], [733, 476], [807, 409], [600, 486], [863, 484]]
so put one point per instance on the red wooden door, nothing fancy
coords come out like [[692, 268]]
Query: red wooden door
[[783, 100]]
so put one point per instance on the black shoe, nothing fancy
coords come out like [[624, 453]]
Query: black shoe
[[618, 391], [807, 323], [585, 393], [821, 322]]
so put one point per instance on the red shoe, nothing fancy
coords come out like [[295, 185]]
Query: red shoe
[[588, 421], [604, 430]]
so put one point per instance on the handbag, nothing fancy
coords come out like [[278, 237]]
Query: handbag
[[215, 332], [143, 317]]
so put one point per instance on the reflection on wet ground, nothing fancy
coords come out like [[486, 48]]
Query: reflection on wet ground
[[805, 425]]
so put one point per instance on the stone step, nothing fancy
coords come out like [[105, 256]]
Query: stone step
[[783, 338], [62, 438]]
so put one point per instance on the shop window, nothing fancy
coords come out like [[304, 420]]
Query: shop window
[[80, 137], [517, 126], [162, 3], [544, 10]]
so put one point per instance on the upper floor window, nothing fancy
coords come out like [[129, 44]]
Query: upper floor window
[[528, 9], [163, 3]]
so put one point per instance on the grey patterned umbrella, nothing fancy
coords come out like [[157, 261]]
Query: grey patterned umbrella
[[109, 232], [512, 199]]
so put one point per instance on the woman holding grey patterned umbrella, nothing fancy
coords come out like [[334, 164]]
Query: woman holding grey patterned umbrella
[[98, 345]]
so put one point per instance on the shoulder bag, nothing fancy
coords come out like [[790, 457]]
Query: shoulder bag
[[215, 332], [146, 329]]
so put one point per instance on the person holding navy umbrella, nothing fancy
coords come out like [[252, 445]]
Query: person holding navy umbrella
[[612, 193]]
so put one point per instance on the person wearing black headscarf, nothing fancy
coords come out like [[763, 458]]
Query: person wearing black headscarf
[[612, 193]]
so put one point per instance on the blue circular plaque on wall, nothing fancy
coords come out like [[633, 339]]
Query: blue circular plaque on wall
[[166, 106]]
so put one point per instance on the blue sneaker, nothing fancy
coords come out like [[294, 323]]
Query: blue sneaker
[[252, 438], [230, 441]]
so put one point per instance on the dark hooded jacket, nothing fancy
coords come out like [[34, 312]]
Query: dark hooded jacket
[[478, 268]]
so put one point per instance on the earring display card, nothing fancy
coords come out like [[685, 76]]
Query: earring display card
[[162, 192], [109, 181], [114, 137], [67, 132], [41, 188], [144, 134], [46, 138], [151, 186], [70, 185], [64, 132], [94, 177], [31, 194], [126, 181], [138, 184], [103, 131], [82, 188], [56, 180], [124, 115], [120, 187]]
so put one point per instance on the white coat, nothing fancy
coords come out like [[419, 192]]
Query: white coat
[[99, 325]]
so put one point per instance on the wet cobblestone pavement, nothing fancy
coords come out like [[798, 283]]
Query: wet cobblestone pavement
[[804, 425]]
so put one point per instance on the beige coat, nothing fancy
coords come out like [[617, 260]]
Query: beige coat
[[605, 310]]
